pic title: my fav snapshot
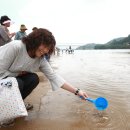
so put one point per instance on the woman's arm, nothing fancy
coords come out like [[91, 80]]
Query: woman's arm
[[4, 35], [57, 81], [74, 90], [12, 34], [8, 53]]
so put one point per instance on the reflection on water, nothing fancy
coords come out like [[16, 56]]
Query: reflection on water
[[103, 73]]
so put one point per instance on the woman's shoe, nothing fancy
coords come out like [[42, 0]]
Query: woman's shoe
[[7, 123]]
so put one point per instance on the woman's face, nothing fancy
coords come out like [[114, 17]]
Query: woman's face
[[7, 24], [23, 30], [42, 50]]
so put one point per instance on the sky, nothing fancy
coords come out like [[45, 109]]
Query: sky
[[71, 21]]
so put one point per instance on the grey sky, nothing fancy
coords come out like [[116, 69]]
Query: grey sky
[[72, 21]]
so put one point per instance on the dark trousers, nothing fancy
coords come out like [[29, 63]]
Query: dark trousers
[[27, 83]]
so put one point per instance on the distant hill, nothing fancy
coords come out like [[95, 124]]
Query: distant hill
[[86, 46], [116, 39], [117, 43]]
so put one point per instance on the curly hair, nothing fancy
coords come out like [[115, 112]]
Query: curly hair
[[38, 37]]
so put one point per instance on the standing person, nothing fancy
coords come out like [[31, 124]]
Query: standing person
[[5, 35], [22, 33], [25, 57]]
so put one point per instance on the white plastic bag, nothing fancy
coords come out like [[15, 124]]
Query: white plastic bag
[[11, 102]]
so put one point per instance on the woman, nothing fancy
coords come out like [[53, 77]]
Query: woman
[[5, 35], [21, 59]]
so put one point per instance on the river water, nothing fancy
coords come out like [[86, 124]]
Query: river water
[[103, 73]]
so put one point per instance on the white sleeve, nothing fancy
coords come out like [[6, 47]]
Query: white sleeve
[[56, 80], [8, 53]]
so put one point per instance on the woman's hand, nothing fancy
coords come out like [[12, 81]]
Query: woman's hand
[[12, 34], [82, 94]]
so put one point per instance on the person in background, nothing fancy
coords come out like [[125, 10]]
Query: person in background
[[32, 47], [34, 28], [5, 35], [22, 33]]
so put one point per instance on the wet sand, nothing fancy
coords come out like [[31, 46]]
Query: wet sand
[[50, 111], [59, 110]]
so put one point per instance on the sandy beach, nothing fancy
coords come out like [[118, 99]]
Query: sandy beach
[[28, 123], [61, 110], [39, 118], [45, 114]]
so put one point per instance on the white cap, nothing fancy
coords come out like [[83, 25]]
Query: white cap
[[8, 21]]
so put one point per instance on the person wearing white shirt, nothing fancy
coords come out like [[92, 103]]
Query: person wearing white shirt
[[21, 59]]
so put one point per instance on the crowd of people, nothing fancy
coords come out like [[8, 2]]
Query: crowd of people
[[34, 47]]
